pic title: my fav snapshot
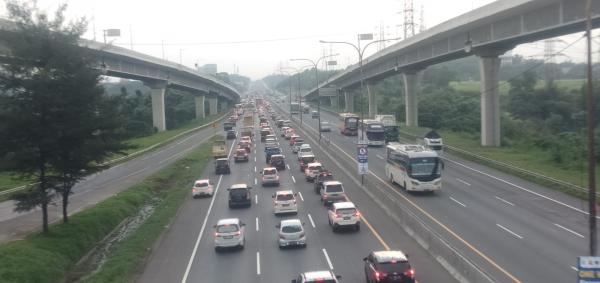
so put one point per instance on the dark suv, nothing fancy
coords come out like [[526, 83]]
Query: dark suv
[[322, 177], [388, 266], [239, 195], [222, 166], [277, 161], [270, 152]]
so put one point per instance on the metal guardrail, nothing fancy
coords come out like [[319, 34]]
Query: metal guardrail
[[132, 155]]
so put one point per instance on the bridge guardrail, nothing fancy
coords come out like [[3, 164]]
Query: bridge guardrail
[[134, 154]]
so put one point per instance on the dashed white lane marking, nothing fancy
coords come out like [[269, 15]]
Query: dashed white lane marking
[[254, 169], [293, 179], [311, 221], [574, 268], [504, 201], [569, 230], [509, 231], [255, 181], [258, 263], [458, 202], [254, 158], [300, 194], [255, 199], [328, 260], [462, 181], [257, 224], [287, 166]]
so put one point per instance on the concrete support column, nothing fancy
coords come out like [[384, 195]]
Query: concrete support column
[[372, 101], [200, 107], [349, 101], [212, 106], [334, 101], [410, 97], [489, 68], [158, 108], [224, 105]]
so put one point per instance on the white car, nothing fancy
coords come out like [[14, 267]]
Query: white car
[[332, 191], [291, 233], [311, 171], [270, 176], [283, 130], [343, 214], [229, 233], [202, 188], [325, 276], [285, 202], [305, 149], [246, 139]]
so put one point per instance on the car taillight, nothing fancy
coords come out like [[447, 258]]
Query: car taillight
[[410, 273], [379, 275], [356, 214], [216, 234], [194, 190], [339, 215], [301, 234], [324, 196], [237, 233]]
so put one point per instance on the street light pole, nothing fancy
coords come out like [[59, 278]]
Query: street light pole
[[315, 65]]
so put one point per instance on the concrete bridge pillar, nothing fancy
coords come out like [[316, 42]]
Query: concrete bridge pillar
[[334, 102], [200, 107], [349, 101], [410, 97], [158, 107], [372, 101], [489, 68], [212, 106], [224, 105]]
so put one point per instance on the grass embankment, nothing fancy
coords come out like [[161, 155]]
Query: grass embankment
[[47, 258], [504, 86], [8, 181], [530, 159]]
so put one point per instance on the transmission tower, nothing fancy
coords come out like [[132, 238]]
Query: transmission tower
[[409, 22], [422, 19], [550, 67]]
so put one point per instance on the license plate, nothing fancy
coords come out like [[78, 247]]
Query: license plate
[[286, 204], [347, 218], [228, 237]]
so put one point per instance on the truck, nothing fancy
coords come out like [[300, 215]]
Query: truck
[[295, 108], [390, 126], [433, 141], [248, 120], [349, 124], [219, 149]]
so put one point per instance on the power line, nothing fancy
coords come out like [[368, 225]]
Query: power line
[[229, 42]]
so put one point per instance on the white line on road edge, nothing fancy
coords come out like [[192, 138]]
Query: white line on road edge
[[458, 202], [327, 258], [255, 199], [300, 194], [569, 230], [509, 231], [457, 179], [257, 263], [574, 268], [255, 181], [380, 157], [288, 166], [311, 221], [505, 201], [212, 201], [293, 179], [257, 224]]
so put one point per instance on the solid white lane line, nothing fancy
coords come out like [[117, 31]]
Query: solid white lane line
[[255, 181], [574, 268], [293, 179], [288, 166], [569, 230], [509, 231], [311, 221], [522, 188], [300, 194], [457, 179], [255, 199], [505, 201], [257, 263], [458, 202], [257, 224], [212, 202], [328, 260], [380, 157]]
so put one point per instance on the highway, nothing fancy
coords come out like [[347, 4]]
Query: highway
[[186, 251], [515, 230]]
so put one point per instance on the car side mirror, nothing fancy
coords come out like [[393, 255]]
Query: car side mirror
[[249, 188], [295, 194], [365, 259], [294, 281], [229, 189], [338, 276], [273, 196], [278, 226], [243, 224], [303, 223], [215, 226]]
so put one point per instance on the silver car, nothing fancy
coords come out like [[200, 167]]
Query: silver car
[[229, 233], [325, 127], [291, 233]]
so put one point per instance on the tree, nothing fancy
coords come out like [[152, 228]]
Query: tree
[[57, 123]]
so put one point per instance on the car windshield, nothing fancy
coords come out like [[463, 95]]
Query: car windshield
[[277, 158], [284, 197], [221, 162], [391, 267], [291, 229], [269, 171], [337, 188], [227, 228]]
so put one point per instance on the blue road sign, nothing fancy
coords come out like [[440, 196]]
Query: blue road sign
[[588, 269]]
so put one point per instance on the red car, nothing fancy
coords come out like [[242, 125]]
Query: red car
[[245, 145], [305, 160]]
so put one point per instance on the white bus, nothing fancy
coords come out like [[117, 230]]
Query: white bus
[[413, 167], [295, 108], [374, 132]]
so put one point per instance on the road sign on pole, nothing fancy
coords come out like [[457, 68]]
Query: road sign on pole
[[588, 269], [362, 156]]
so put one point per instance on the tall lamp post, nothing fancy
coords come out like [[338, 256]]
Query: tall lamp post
[[290, 81], [297, 70], [315, 65], [361, 52]]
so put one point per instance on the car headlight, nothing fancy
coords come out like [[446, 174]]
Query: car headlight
[[437, 183], [414, 183]]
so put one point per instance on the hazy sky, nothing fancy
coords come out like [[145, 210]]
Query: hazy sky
[[257, 36]]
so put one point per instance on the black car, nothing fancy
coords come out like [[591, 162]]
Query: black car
[[388, 266], [239, 196], [222, 166], [278, 161], [322, 177], [231, 135]]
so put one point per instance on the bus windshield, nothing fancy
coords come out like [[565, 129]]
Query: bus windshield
[[375, 136], [424, 166], [352, 123]]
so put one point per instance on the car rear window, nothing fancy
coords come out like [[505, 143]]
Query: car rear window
[[201, 185], [228, 228], [346, 210], [308, 159], [291, 229], [306, 149], [285, 197], [318, 168], [391, 267], [238, 192], [337, 188], [269, 171], [221, 162]]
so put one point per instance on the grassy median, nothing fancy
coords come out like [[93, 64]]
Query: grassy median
[[48, 258]]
